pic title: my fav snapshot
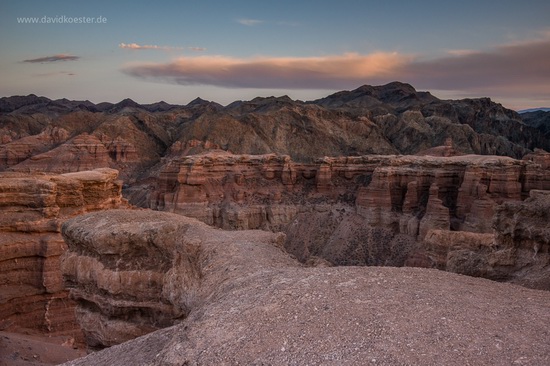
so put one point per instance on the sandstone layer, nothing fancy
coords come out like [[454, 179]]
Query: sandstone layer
[[32, 209], [517, 251], [369, 210], [247, 302], [389, 191], [133, 272]]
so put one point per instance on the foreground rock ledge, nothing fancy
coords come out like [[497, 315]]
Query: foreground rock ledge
[[248, 302]]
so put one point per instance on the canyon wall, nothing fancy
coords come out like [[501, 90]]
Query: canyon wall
[[410, 194], [32, 209], [368, 210]]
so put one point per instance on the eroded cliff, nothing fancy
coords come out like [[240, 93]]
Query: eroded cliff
[[355, 210], [247, 302], [32, 209]]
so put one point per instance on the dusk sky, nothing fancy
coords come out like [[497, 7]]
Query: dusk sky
[[228, 50]]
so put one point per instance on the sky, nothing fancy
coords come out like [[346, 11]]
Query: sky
[[224, 51]]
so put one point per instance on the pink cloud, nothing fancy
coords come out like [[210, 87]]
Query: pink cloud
[[265, 72], [135, 46], [514, 70], [518, 66], [249, 22]]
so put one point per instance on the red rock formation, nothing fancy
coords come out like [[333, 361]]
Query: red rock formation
[[374, 202], [122, 151], [14, 152], [436, 216], [84, 152], [522, 241], [245, 301], [517, 251], [389, 191], [484, 187], [442, 246], [403, 195], [539, 156], [535, 174], [32, 208], [137, 271]]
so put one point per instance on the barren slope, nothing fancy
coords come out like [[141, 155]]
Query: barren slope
[[257, 306]]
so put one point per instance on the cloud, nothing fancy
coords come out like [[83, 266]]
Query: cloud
[[520, 69], [461, 52], [54, 58], [197, 49], [508, 69], [59, 73], [249, 22], [135, 46], [264, 72]]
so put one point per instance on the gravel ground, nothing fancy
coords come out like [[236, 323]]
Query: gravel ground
[[20, 349], [258, 306], [353, 316]]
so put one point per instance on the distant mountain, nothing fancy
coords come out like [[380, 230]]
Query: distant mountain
[[396, 95], [534, 110], [10, 104], [538, 119], [387, 119]]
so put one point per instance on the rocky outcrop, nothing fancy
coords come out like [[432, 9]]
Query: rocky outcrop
[[522, 235], [453, 251], [14, 152], [416, 121], [84, 152], [408, 194], [371, 210], [245, 301], [517, 251], [133, 272], [436, 216], [32, 209]]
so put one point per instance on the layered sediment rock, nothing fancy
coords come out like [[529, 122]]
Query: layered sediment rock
[[133, 272], [517, 251], [63, 135], [14, 152], [32, 209], [522, 235], [245, 301], [371, 210], [84, 152], [408, 194], [447, 250]]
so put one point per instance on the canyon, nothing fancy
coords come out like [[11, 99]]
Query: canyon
[[369, 210], [266, 200], [237, 297]]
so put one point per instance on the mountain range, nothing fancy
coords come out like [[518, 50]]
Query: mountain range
[[39, 134]]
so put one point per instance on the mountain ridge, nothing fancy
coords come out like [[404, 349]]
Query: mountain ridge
[[389, 119]]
